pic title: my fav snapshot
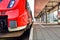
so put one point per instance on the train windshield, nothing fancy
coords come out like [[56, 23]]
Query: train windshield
[[8, 4]]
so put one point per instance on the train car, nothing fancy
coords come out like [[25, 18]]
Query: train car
[[13, 15]]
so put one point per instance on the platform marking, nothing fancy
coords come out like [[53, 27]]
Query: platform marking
[[31, 34]]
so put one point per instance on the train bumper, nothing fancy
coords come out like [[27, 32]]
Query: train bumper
[[17, 29]]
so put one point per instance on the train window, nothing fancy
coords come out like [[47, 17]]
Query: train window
[[27, 6], [0, 0], [11, 3], [13, 24]]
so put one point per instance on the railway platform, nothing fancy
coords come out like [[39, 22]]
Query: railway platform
[[46, 32]]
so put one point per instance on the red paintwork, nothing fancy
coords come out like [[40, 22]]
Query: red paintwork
[[4, 4], [17, 12]]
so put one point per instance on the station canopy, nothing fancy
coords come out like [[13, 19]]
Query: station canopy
[[45, 5]]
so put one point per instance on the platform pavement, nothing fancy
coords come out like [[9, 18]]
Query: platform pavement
[[45, 33]]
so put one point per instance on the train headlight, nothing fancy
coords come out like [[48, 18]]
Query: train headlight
[[0, 0], [13, 24], [11, 3]]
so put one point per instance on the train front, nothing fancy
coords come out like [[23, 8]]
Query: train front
[[13, 15]]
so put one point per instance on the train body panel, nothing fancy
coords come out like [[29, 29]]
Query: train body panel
[[17, 17]]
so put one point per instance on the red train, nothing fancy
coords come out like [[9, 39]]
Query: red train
[[14, 15]]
